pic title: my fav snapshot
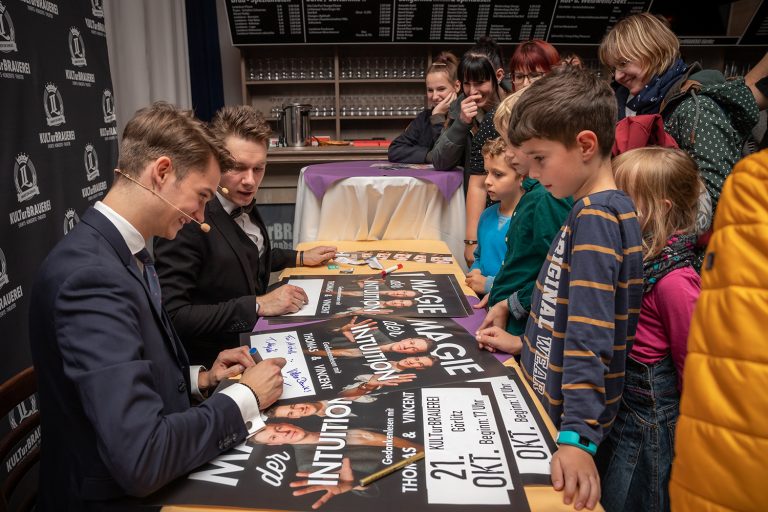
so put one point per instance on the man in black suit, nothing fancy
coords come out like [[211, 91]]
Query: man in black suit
[[215, 284], [115, 384]]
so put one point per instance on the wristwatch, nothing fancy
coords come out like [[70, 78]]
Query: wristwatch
[[470, 242], [573, 438]]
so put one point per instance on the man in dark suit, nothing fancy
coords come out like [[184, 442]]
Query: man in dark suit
[[115, 383], [215, 284]]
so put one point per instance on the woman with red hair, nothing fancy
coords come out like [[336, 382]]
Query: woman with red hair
[[530, 61]]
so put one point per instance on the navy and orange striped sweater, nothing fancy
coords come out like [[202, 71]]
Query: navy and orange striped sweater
[[584, 314]]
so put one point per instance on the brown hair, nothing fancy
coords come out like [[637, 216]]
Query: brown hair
[[241, 121], [493, 147], [560, 105], [643, 38], [446, 63], [165, 130], [651, 176]]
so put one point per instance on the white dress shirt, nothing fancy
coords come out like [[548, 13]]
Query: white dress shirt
[[242, 396], [245, 223]]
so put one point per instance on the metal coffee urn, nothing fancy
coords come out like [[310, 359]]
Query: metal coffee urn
[[295, 123]]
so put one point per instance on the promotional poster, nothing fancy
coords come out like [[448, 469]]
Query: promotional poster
[[359, 357], [482, 443], [418, 257], [421, 295]]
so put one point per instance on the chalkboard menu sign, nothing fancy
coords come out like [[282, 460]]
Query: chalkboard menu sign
[[255, 22], [757, 31]]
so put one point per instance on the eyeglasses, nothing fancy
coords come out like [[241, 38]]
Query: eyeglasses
[[520, 77]]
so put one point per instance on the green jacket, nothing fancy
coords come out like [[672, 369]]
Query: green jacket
[[710, 122], [534, 224]]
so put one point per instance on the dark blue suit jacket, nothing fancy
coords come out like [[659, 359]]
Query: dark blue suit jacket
[[113, 380]]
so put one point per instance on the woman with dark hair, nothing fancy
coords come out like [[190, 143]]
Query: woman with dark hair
[[481, 72], [414, 145], [530, 61]]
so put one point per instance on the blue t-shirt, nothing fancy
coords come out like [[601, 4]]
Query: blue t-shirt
[[491, 243]]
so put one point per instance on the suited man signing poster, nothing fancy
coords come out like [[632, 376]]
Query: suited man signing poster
[[215, 284], [115, 384]]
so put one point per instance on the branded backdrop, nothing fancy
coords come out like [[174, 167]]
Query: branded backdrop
[[58, 149]]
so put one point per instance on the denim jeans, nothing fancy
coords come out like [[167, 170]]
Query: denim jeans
[[635, 459]]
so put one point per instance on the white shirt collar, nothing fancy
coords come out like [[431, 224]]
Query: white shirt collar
[[130, 234], [228, 205]]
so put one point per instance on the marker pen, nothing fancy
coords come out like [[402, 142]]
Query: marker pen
[[255, 355]]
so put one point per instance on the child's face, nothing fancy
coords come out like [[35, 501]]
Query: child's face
[[501, 182], [558, 168], [514, 157], [439, 88]]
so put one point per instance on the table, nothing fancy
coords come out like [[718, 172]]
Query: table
[[545, 498], [365, 203], [319, 154]]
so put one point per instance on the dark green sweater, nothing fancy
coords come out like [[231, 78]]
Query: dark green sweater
[[534, 224]]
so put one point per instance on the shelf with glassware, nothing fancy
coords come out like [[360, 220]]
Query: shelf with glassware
[[340, 88]]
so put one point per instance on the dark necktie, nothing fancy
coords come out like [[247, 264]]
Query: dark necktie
[[150, 276], [243, 210]]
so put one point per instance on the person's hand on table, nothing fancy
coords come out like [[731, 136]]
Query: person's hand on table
[[346, 483], [266, 380], [495, 338], [574, 472], [497, 316], [476, 280], [228, 363], [286, 299], [319, 255]]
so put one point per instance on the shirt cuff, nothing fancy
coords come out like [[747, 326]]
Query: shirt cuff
[[516, 307], [194, 372], [489, 283], [249, 408]]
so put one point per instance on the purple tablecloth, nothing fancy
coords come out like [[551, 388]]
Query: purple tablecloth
[[321, 176], [470, 323]]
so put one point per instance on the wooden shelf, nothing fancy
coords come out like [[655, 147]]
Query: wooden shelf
[[381, 81], [334, 90], [290, 82]]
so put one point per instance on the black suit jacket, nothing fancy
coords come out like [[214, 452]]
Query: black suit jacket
[[209, 284], [113, 380]]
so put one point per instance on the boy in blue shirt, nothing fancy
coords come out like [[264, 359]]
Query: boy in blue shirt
[[504, 185], [588, 293]]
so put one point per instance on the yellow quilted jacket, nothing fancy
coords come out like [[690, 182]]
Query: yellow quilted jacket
[[721, 442]]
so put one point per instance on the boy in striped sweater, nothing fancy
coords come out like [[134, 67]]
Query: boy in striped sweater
[[585, 306]]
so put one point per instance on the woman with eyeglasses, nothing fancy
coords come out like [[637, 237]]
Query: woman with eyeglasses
[[709, 117]]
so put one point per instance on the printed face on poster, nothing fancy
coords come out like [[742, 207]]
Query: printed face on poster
[[483, 442], [422, 295], [361, 356]]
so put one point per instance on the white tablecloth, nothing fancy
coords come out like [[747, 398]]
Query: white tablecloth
[[380, 208]]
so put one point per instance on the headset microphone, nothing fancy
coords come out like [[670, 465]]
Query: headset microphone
[[203, 226], [224, 190]]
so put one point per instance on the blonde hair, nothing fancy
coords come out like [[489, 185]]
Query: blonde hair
[[652, 176], [241, 121], [504, 112], [643, 38], [446, 63]]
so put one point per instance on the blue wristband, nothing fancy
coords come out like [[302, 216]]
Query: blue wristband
[[572, 438]]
